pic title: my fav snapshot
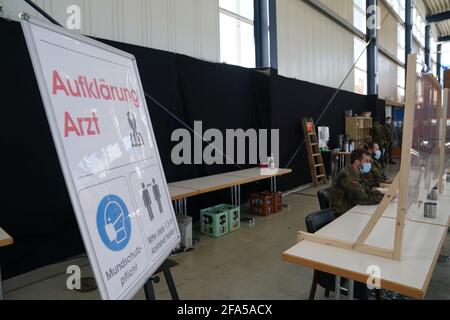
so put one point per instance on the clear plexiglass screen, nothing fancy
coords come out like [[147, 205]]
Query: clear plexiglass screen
[[426, 136]]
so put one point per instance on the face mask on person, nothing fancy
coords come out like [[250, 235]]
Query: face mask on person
[[366, 168], [377, 155]]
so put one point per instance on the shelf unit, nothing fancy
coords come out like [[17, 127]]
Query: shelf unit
[[359, 129]]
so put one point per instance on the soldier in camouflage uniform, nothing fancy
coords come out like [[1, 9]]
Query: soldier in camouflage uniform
[[379, 137], [348, 189], [376, 176], [389, 134]]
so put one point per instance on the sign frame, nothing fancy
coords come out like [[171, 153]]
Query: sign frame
[[26, 23]]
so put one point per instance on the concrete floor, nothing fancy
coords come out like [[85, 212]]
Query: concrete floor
[[243, 265]]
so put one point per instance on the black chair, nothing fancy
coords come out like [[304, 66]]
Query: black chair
[[324, 198], [315, 222]]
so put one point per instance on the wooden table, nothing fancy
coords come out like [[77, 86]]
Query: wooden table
[[423, 241], [442, 217], [5, 240], [182, 190]]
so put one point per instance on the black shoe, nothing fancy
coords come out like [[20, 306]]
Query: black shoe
[[392, 162]]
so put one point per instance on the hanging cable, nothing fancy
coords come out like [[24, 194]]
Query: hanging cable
[[42, 12], [189, 128]]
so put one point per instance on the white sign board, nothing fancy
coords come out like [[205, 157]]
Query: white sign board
[[101, 127]]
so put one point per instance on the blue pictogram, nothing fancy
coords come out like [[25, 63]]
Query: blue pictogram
[[113, 223]]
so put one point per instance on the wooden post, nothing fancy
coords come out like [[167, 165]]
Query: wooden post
[[442, 149], [410, 105]]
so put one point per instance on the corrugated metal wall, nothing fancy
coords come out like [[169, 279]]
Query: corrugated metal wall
[[185, 26], [311, 47]]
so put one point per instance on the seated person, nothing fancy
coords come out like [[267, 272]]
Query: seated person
[[376, 176], [348, 190]]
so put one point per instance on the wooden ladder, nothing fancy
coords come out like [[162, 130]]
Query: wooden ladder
[[317, 168]]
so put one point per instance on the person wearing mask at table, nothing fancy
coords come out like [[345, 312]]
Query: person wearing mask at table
[[389, 134], [376, 176], [348, 190]]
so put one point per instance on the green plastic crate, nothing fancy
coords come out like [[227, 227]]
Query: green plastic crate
[[234, 216], [213, 223]]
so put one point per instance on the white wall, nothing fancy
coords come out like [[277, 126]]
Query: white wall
[[311, 47], [184, 26], [387, 79], [387, 34], [344, 8], [388, 70]]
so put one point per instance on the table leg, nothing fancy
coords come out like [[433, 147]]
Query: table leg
[[239, 196], [232, 196], [175, 206], [337, 288], [185, 206], [351, 288]]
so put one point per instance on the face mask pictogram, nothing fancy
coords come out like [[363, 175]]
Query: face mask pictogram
[[113, 223]]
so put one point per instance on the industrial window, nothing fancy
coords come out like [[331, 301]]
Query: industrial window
[[401, 43], [420, 60], [237, 40], [433, 54], [401, 83], [401, 56], [419, 26], [359, 15], [360, 72], [445, 55], [399, 7]]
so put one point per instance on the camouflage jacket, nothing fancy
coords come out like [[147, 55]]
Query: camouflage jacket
[[378, 134], [348, 191], [389, 133], [375, 176]]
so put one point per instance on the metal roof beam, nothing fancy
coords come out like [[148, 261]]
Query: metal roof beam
[[438, 17]]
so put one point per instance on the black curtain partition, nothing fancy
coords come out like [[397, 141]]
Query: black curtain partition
[[37, 209]]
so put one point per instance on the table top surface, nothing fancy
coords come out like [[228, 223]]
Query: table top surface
[[409, 276], [212, 183], [442, 217], [188, 188], [341, 152], [415, 214], [5, 239], [177, 193], [255, 173]]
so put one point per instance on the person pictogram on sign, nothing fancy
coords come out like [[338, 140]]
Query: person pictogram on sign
[[157, 194], [136, 137], [147, 201]]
